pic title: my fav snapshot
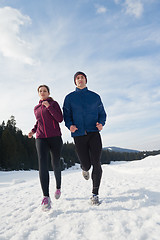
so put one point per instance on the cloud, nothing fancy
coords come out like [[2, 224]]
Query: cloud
[[134, 7], [121, 62], [12, 43], [100, 9], [117, 1], [131, 99]]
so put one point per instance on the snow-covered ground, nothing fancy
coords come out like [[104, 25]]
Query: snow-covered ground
[[130, 209]]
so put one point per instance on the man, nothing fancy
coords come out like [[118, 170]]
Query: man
[[84, 116]]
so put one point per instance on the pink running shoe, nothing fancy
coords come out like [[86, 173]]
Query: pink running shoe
[[46, 204], [57, 194]]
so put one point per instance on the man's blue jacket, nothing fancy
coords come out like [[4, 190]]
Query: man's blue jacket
[[83, 108]]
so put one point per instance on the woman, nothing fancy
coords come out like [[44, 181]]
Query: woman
[[48, 139]]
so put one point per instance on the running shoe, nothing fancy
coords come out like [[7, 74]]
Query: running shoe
[[46, 204], [57, 194], [85, 174], [94, 200]]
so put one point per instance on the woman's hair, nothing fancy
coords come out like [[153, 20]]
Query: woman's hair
[[46, 88]]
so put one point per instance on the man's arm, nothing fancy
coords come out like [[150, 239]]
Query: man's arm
[[101, 113], [67, 113]]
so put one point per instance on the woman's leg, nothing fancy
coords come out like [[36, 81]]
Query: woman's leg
[[55, 144], [43, 151]]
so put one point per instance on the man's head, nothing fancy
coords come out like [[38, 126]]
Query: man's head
[[80, 79]]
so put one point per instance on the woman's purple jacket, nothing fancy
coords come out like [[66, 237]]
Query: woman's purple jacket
[[48, 119]]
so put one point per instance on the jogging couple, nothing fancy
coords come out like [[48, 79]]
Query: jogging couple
[[84, 116]]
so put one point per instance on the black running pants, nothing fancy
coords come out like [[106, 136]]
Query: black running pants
[[45, 146], [88, 148]]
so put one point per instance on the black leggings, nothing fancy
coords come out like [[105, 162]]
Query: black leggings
[[44, 146], [89, 149]]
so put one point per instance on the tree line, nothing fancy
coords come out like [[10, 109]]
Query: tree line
[[18, 152]]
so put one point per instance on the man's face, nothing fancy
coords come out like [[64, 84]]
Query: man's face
[[80, 81]]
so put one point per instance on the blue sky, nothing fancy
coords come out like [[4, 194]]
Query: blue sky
[[115, 42]]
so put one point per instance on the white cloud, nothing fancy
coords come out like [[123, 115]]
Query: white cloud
[[126, 80], [117, 1], [134, 7], [100, 9], [12, 43]]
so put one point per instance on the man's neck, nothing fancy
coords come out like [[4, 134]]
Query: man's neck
[[81, 87]]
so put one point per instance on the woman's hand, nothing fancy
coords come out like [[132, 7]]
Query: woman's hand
[[46, 103], [30, 134]]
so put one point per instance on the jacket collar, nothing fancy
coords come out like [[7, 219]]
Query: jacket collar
[[48, 99], [81, 90]]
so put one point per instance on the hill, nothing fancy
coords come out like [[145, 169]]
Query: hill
[[118, 149]]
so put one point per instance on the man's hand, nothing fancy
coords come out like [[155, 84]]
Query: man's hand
[[99, 126], [73, 128]]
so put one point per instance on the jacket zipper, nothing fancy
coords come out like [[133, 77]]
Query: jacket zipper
[[54, 124], [43, 123]]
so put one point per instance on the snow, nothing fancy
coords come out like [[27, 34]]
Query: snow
[[130, 207]]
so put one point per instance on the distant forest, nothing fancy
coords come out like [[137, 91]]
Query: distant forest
[[18, 152]]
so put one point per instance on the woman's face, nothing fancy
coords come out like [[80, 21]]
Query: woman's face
[[43, 93]]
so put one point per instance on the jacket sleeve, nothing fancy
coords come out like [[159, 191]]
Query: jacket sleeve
[[35, 127], [101, 113], [55, 111], [67, 113]]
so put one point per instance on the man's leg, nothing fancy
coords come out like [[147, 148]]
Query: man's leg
[[82, 149], [95, 146]]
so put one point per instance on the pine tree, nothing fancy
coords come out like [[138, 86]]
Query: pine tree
[[8, 142]]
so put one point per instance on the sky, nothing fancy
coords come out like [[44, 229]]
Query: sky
[[115, 42]]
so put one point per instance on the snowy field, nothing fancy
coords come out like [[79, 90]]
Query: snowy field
[[130, 208]]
